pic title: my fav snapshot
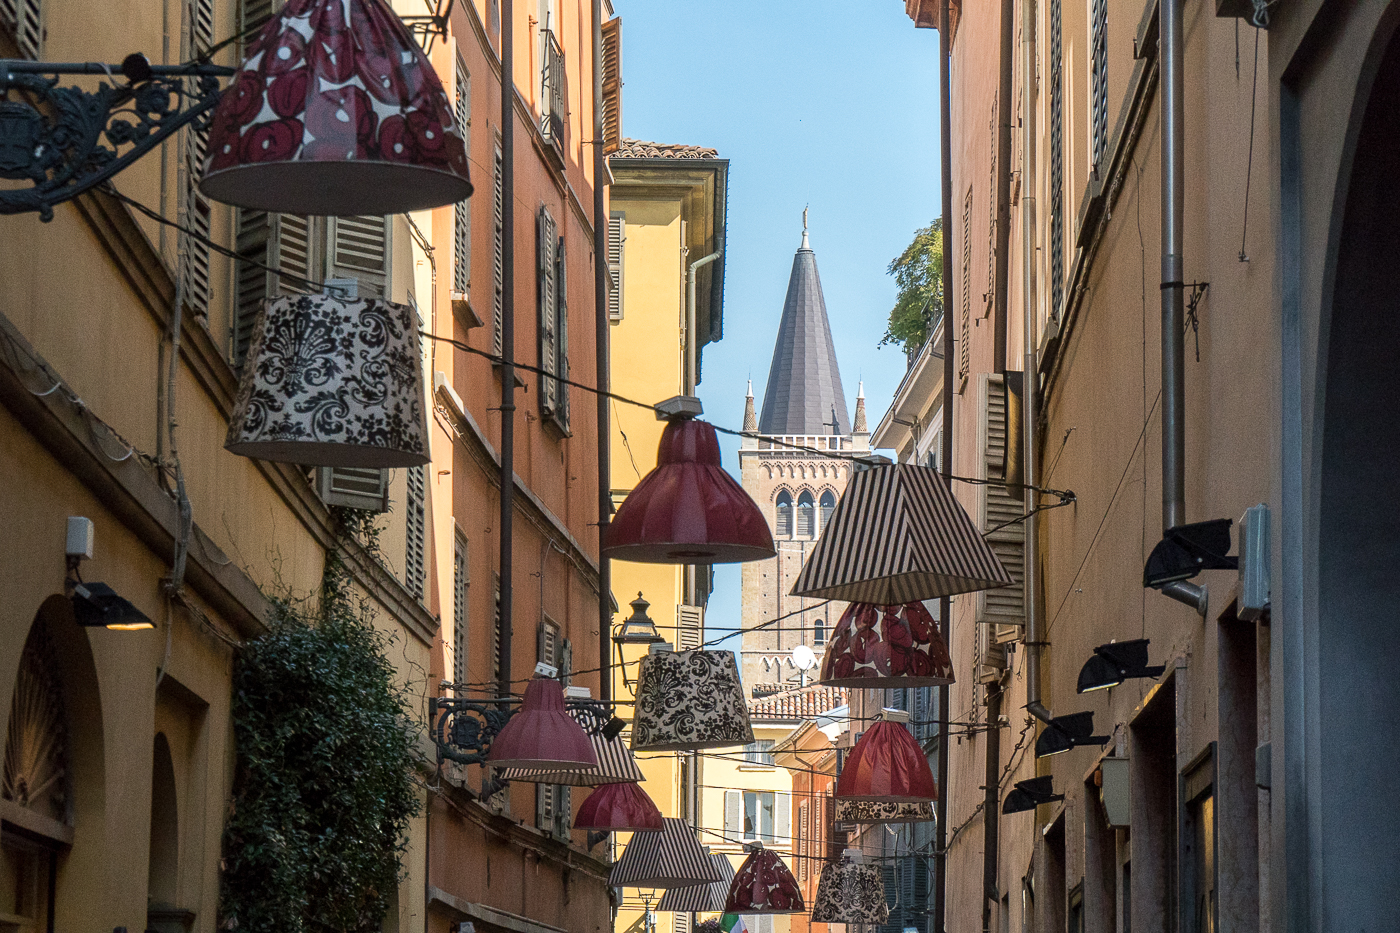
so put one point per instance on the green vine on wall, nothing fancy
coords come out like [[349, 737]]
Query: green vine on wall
[[323, 791]]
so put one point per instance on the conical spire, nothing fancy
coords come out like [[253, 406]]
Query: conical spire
[[804, 394], [859, 427], [750, 419]]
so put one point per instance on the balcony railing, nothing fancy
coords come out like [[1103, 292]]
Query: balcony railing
[[553, 96]]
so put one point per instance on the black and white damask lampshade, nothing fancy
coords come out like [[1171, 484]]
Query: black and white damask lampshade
[[850, 891], [688, 701], [332, 382], [883, 811]]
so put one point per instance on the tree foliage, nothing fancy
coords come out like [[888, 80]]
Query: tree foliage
[[324, 789], [918, 271]]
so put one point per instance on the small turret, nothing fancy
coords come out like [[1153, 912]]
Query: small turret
[[750, 421], [860, 433]]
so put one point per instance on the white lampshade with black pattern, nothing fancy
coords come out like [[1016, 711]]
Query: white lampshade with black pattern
[[688, 701], [882, 811], [850, 891], [334, 382]]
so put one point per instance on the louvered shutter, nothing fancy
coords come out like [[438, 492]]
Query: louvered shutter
[[734, 814], [561, 337], [1057, 165], [498, 247], [496, 632], [195, 208], [617, 235], [251, 13], [690, 627], [1000, 612], [359, 249], [461, 580], [544, 807], [415, 514], [252, 283], [612, 85], [545, 241], [25, 20], [890, 878], [354, 487], [782, 818], [547, 647], [965, 305], [1098, 82], [461, 211]]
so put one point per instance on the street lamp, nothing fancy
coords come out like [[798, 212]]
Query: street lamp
[[1116, 662], [638, 628]]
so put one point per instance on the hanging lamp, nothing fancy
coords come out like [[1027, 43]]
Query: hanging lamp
[[615, 762], [689, 701], [886, 646], [898, 536], [619, 808], [701, 898], [336, 111], [542, 735], [668, 859], [887, 765], [764, 885], [850, 891], [332, 382], [688, 510], [880, 811]]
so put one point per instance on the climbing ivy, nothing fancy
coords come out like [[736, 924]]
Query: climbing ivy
[[323, 790]]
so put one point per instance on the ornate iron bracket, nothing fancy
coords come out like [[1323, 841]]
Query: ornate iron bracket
[[430, 27], [464, 728], [65, 141]]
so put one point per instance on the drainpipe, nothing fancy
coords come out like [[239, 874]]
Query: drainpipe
[[1173, 312], [692, 371], [945, 605], [1002, 268], [601, 280], [507, 335]]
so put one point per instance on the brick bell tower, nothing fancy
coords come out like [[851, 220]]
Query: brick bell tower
[[804, 406]]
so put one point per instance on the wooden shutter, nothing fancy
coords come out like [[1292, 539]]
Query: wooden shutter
[[1057, 165], [354, 487], [252, 283], [498, 239], [25, 20], [890, 879], [690, 627], [1098, 83], [561, 337], [461, 581], [612, 85], [1001, 611], [415, 559], [734, 814], [195, 207], [461, 211], [546, 238], [250, 14], [359, 249], [782, 818], [965, 309], [547, 646], [496, 631], [617, 235]]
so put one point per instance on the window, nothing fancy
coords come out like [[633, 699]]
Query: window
[[828, 505], [965, 324], [806, 515], [784, 523], [1098, 83], [819, 632], [498, 250], [461, 580], [617, 235], [553, 331], [461, 217], [415, 567], [759, 752], [1057, 166], [758, 816], [25, 21], [1076, 909], [554, 95]]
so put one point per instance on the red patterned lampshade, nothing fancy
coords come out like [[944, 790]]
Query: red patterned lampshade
[[688, 510], [887, 765], [764, 885], [335, 110], [619, 808], [886, 646], [542, 734]]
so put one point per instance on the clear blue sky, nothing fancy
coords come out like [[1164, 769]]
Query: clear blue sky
[[824, 103]]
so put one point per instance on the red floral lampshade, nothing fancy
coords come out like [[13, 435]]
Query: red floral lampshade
[[619, 808], [764, 885], [688, 510], [887, 646], [335, 110], [542, 734], [887, 765]]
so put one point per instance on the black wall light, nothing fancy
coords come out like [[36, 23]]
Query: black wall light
[[1186, 550], [97, 605], [1027, 795], [1065, 732], [1116, 662]]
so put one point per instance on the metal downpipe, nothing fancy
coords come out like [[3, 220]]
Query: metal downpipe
[[507, 477], [603, 334]]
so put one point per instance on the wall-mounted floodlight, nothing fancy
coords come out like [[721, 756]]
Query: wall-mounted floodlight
[[1028, 795], [1116, 662], [1186, 550], [97, 605], [1065, 732]]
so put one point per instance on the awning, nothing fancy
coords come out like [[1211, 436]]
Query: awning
[[671, 858], [615, 765], [898, 536], [702, 898]]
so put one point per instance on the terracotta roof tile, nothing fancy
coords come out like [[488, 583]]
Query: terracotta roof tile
[[798, 703], [641, 149]]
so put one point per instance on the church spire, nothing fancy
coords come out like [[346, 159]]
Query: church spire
[[804, 394], [750, 419], [860, 427]]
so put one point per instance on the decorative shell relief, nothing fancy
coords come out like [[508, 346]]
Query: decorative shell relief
[[848, 893], [690, 700], [36, 748]]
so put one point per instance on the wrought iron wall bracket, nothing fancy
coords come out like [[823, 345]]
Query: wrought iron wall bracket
[[464, 728], [64, 141]]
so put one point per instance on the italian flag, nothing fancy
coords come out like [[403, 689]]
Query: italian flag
[[732, 923]]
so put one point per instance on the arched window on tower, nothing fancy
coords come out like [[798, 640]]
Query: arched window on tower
[[828, 506], [806, 516], [784, 523], [819, 633]]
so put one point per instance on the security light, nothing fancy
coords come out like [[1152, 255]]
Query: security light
[[97, 605], [1065, 732], [1186, 550], [1028, 795], [1116, 662]]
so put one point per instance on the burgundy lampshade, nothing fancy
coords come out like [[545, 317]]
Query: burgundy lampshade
[[619, 808], [335, 110], [688, 510], [542, 734], [880, 647], [887, 765], [764, 885]]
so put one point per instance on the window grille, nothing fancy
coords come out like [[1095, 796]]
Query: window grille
[[554, 107]]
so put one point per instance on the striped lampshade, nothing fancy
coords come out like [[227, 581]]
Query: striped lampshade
[[671, 858], [898, 536], [702, 898]]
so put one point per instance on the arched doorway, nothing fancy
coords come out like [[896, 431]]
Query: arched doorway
[[163, 874], [1358, 600]]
